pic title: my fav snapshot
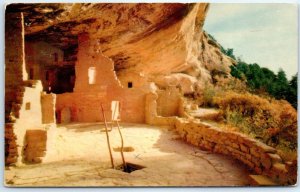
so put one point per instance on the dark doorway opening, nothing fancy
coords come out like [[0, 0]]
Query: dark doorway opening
[[60, 79], [31, 72], [65, 79]]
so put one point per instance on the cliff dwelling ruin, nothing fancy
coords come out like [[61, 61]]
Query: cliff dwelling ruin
[[65, 61]]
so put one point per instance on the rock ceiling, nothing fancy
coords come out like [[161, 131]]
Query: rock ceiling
[[147, 38], [59, 24]]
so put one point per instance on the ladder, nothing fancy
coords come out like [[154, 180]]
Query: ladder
[[114, 120]]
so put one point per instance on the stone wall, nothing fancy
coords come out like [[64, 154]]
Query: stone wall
[[42, 58], [168, 102], [41, 54], [137, 80], [262, 159], [14, 58], [103, 87], [14, 76], [151, 116], [35, 146], [30, 115], [48, 102], [86, 107], [259, 157]]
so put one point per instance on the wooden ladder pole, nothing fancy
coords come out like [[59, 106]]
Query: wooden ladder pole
[[107, 138], [122, 142]]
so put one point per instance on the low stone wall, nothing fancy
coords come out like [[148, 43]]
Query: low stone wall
[[168, 102], [151, 116], [257, 156], [48, 108], [35, 146]]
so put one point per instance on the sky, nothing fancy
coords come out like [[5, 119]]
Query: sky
[[266, 34]]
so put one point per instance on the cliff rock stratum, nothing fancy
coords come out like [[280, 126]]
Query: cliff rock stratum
[[152, 40]]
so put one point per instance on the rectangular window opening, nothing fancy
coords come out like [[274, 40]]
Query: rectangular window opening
[[27, 106], [130, 85], [92, 75]]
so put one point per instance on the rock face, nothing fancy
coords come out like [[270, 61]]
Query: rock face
[[146, 39]]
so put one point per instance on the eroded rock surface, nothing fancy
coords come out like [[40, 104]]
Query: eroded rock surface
[[148, 39]]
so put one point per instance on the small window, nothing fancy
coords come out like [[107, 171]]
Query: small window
[[55, 57], [31, 73], [27, 106], [129, 85], [92, 75]]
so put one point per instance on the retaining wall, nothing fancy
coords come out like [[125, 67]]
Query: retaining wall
[[261, 158]]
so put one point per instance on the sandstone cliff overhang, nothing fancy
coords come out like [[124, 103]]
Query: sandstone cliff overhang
[[147, 38]]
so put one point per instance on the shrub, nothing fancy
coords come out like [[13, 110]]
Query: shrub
[[271, 121], [221, 86], [209, 92], [261, 79], [231, 84]]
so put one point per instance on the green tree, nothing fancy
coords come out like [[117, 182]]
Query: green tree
[[292, 92], [263, 79], [229, 53]]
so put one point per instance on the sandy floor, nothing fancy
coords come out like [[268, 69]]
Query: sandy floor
[[79, 157]]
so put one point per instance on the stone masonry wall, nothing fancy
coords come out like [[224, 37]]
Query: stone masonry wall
[[22, 96], [14, 64], [35, 146], [30, 115], [85, 102], [168, 102], [48, 108], [257, 156], [40, 56], [14, 58], [151, 116]]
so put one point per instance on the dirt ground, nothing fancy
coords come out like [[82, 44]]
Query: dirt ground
[[78, 156]]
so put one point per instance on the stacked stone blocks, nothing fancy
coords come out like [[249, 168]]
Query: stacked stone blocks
[[259, 157]]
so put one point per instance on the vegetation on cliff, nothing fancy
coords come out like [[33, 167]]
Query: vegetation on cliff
[[254, 101], [262, 80]]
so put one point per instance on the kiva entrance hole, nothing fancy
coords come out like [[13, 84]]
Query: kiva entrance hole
[[130, 167]]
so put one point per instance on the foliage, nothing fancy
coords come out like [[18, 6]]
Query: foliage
[[227, 84], [209, 93], [223, 84], [271, 121], [254, 100], [228, 52], [262, 80]]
